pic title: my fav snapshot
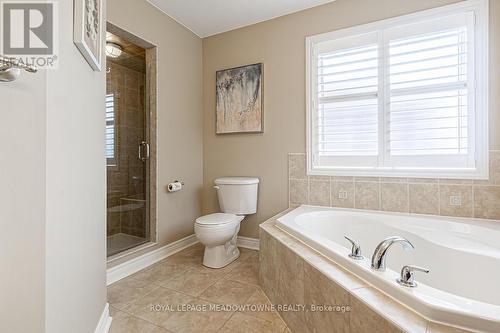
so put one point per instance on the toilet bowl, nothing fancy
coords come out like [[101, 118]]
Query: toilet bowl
[[219, 231]]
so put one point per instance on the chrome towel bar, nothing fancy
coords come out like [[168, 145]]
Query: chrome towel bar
[[10, 68]]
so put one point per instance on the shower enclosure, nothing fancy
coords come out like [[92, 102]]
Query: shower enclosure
[[128, 144]]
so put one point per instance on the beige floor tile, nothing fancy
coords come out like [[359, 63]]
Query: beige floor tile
[[228, 292], [127, 290], [247, 254], [247, 272], [126, 323], [158, 306], [221, 271], [161, 272], [189, 258], [161, 298], [242, 323], [194, 281], [259, 298], [196, 317]]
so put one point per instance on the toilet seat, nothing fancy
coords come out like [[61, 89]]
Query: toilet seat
[[218, 219]]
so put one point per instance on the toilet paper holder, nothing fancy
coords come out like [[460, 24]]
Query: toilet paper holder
[[175, 186]]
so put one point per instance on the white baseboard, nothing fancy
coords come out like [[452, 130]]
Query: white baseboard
[[105, 321], [134, 265], [248, 243]]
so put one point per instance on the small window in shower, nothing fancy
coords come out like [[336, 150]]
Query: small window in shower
[[110, 130]]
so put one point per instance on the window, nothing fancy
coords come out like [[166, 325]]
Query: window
[[401, 97], [110, 130]]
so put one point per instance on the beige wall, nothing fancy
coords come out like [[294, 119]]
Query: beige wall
[[179, 113], [75, 267], [53, 204], [22, 207], [280, 45]]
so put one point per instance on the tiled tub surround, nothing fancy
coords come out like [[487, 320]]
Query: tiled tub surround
[[450, 293], [447, 197], [293, 273]]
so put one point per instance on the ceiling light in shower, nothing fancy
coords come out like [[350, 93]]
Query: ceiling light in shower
[[113, 50]]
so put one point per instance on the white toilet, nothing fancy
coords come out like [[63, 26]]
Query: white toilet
[[219, 231]]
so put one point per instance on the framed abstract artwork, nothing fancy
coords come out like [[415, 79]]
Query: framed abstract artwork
[[239, 100], [88, 30]]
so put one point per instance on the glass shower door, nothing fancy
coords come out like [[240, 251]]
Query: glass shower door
[[127, 150]]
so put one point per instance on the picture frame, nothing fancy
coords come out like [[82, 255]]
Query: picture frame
[[240, 100], [88, 27]]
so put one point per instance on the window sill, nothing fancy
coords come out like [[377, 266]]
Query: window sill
[[400, 172]]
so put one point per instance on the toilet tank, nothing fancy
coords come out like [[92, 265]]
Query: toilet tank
[[237, 195]]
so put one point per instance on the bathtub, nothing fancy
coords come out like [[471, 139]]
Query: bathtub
[[463, 256]]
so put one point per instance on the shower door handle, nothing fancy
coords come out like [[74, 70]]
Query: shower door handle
[[144, 151]]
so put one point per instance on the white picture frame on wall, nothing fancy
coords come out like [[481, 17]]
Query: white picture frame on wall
[[88, 30]]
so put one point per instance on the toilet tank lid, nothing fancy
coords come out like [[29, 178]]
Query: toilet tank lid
[[236, 181]]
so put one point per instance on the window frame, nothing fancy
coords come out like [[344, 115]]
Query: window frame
[[481, 100]]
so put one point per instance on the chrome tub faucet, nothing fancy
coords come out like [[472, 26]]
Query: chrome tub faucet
[[380, 253], [407, 278]]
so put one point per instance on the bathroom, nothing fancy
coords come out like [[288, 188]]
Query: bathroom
[[272, 166]]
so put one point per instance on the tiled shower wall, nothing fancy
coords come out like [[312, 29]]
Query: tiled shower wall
[[448, 197]]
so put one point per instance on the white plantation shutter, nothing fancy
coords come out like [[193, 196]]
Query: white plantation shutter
[[400, 97], [110, 129], [346, 121], [429, 85]]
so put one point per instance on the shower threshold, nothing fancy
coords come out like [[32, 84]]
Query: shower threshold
[[121, 242]]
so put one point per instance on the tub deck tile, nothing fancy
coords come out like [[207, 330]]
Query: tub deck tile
[[394, 311]]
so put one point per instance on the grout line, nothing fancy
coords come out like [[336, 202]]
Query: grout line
[[225, 322]]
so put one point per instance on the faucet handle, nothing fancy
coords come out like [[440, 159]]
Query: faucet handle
[[407, 278], [355, 249]]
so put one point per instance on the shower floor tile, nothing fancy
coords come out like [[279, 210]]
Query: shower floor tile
[[121, 242], [137, 301]]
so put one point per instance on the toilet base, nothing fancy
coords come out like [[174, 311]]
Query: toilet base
[[220, 256]]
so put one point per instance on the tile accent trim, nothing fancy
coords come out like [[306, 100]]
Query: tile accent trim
[[134, 265], [104, 323], [434, 196]]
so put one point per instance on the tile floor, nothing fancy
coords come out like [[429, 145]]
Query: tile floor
[[162, 297]]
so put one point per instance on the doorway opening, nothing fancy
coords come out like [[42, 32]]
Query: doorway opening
[[130, 141]]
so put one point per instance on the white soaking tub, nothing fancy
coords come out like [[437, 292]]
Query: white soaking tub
[[463, 256]]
